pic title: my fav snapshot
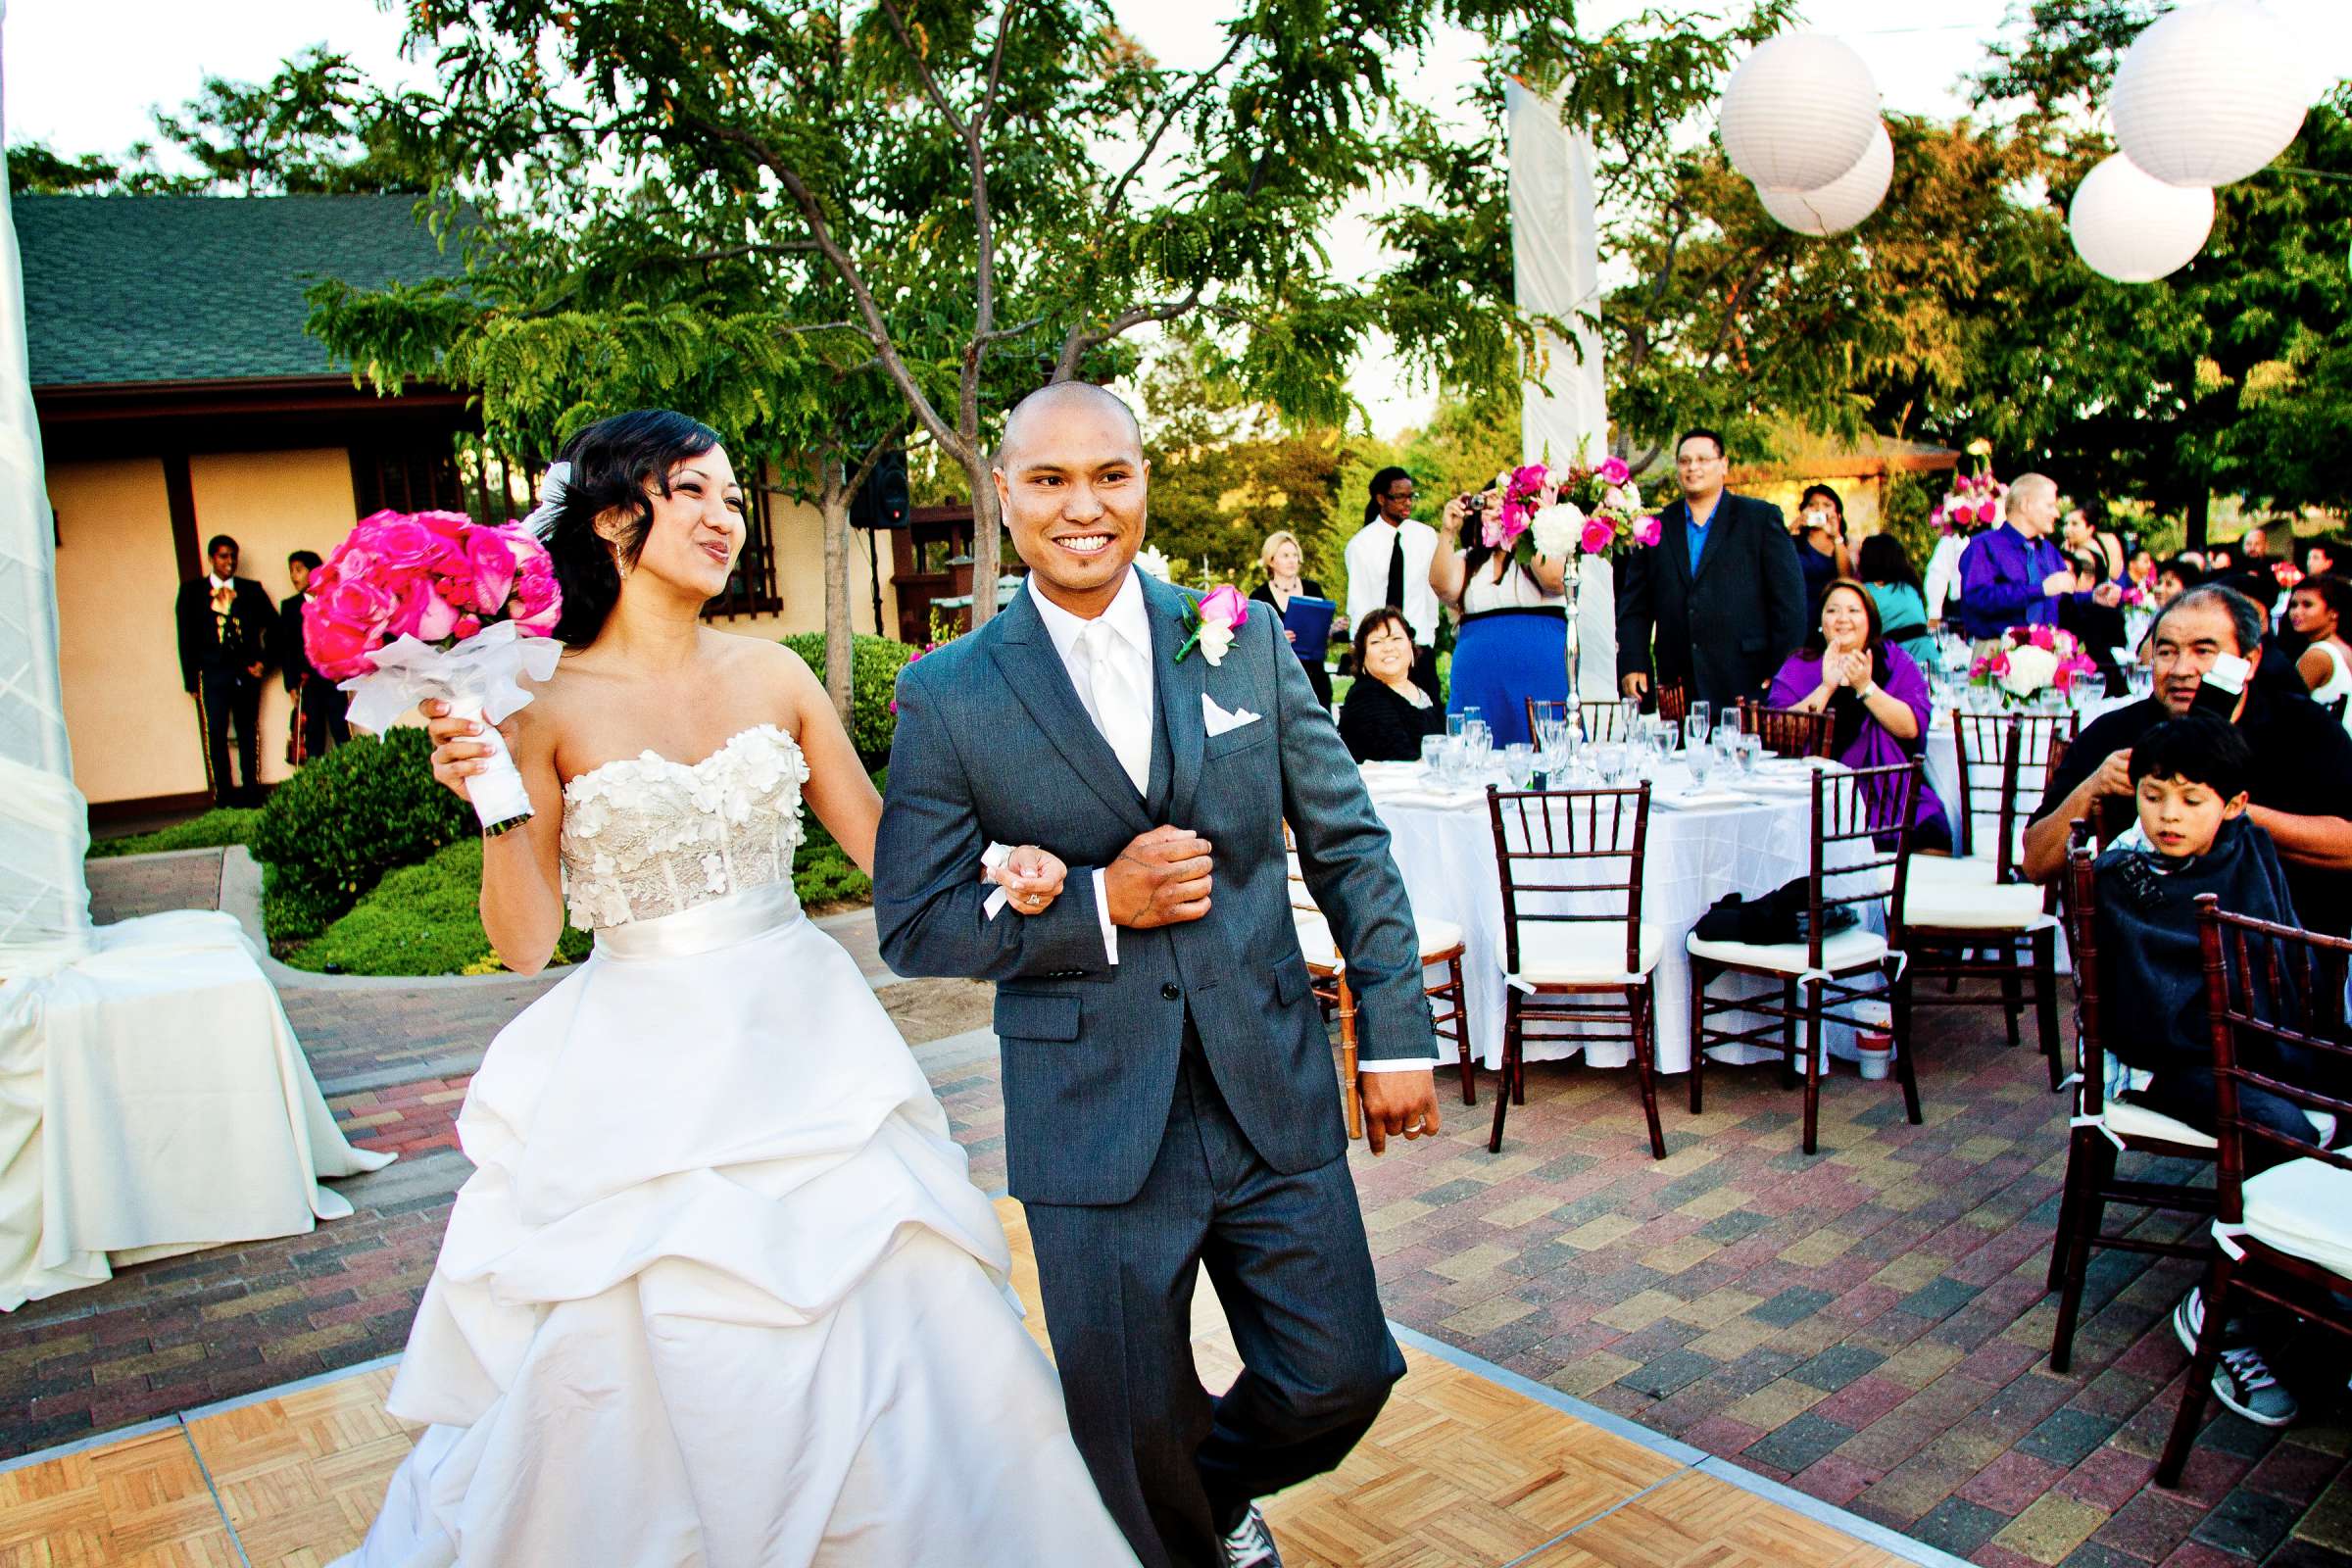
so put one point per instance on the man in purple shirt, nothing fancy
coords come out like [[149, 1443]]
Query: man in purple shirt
[[2013, 574]]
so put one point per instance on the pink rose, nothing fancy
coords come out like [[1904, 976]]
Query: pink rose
[[1614, 471], [492, 567], [1225, 607], [343, 623], [1649, 530], [424, 613], [400, 543], [466, 626], [1599, 535], [1985, 513], [448, 524], [1489, 531], [538, 599]]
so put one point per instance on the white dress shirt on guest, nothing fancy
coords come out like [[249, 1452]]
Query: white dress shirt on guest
[[1367, 560]]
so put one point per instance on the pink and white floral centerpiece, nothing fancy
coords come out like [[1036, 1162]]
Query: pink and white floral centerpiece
[[1563, 512], [2036, 659], [425, 605]]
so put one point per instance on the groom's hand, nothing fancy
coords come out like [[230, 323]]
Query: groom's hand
[[1162, 878], [1397, 1102]]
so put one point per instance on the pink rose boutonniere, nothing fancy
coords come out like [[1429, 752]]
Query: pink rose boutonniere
[[1211, 622]]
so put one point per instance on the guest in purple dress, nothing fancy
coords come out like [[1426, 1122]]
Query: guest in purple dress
[[1876, 697]]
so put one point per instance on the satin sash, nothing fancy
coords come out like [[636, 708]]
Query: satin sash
[[720, 923]]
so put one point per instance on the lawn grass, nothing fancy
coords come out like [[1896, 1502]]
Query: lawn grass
[[222, 824]]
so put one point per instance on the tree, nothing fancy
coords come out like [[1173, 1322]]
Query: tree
[[844, 129]]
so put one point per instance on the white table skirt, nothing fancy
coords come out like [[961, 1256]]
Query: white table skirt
[[1446, 855], [154, 1099]]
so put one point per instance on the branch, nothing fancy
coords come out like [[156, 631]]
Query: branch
[[1175, 112], [726, 253], [1078, 344], [1022, 330], [877, 331], [995, 65]]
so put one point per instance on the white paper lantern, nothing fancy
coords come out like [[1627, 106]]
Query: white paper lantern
[[1845, 201], [2209, 93], [2133, 228], [1798, 112]]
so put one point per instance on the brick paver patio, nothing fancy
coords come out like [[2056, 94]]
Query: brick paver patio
[[1868, 1325]]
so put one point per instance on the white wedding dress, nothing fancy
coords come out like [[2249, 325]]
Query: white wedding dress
[[721, 1291]]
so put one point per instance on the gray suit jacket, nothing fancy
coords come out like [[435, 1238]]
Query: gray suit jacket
[[993, 744], [1725, 629]]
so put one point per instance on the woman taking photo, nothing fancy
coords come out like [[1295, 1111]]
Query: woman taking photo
[[1819, 534], [1895, 589], [1281, 559], [1876, 697], [2318, 610], [1386, 715], [1512, 644]]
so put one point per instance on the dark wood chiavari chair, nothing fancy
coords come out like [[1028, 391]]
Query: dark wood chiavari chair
[[2275, 997], [1674, 701], [1785, 731], [2104, 1129], [1577, 953], [1604, 718], [1975, 916], [1861, 857]]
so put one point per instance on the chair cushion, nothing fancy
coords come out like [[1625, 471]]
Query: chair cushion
[[1850, 948], [2127, 1119], [2304, 1207], [1951, 870], [1322, 950], [1951, 903], [1557, 953]]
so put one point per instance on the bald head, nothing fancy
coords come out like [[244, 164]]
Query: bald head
[[2032, 503], [1083, 399]]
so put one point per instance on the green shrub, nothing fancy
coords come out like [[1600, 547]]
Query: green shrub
[[223, 825], [874, 665], [822, 872], [333, 829], [420, 919]]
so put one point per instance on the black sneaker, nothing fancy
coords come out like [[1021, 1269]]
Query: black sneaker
[[2241, 1378], [1251, 1544]]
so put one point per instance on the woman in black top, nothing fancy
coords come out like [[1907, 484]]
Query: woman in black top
[[1386, 715], [1282, 560], [2099, 628]]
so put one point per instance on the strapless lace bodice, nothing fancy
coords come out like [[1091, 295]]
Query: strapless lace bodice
[[645, 837]]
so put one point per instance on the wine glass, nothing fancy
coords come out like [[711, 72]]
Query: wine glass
[[1519, 763], [1750, 752], [1700, 759], [1433, 754], [1478, 746]]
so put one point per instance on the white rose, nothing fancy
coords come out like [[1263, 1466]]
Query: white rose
[[2030, 670], [1557, 529], [1153, 561], [1216, 638]]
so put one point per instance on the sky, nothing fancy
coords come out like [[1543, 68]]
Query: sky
[[54, 88]]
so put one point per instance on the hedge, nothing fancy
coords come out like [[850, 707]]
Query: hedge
[[874, 665], [330, 832], [222, 825], [420, 919]]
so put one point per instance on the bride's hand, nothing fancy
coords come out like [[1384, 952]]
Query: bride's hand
[[1033, 877], [457, 754]]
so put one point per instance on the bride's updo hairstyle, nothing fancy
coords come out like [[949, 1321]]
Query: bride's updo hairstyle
[[614, 462]]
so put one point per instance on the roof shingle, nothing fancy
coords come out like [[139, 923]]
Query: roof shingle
[[188, 288]]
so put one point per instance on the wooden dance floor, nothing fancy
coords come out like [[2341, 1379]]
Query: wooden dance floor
[[1459, 1472]]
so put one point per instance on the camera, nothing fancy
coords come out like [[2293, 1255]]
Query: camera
[[1474, 506]]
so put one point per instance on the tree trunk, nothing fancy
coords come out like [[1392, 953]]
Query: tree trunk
[[987, 525], [834, 509]]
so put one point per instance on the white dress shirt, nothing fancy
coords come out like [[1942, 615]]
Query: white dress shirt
[[1367, 562], [1944, 573]]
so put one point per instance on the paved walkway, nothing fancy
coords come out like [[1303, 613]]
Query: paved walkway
[[1867, 1325]]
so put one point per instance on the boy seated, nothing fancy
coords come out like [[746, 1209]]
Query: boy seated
[[2188, 780]]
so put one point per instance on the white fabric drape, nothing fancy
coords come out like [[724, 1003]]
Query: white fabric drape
[[1555, 256], [44, 903]]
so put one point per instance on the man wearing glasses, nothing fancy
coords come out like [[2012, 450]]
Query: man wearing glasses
[[1387, 565], [1721, 590]]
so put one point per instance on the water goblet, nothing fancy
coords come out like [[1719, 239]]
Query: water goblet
[[1700, 759], [1477, 748], [1519, 763], [1455, 722], [1433, 753], [1750, 752]]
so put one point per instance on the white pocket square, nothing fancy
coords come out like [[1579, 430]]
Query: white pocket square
[[1218, 720]]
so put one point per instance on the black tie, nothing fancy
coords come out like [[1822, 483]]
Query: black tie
[[1396, 571]]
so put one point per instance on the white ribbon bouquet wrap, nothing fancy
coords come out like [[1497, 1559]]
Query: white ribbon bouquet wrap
[[433, 606], [480, 678]]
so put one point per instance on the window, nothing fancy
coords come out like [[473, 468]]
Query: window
[[752, 590], [420, 474]]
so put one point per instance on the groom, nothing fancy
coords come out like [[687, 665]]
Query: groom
[[1169, 1099]]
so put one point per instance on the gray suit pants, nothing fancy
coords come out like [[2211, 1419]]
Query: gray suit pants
[[1291, 1266]]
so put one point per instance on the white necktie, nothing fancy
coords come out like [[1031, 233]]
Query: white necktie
[[1121, 712]]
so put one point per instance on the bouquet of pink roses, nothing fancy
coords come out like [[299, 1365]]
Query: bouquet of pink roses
[[1975, 501], [1558, 511], [2035, 660], [435, 605]]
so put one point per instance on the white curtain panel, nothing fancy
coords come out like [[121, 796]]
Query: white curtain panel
[[1555, 256]]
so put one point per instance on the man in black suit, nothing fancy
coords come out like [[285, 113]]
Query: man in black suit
[[1721, 589], [318, 725], [226, 626]]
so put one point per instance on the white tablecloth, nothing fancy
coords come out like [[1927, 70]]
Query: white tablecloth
[[154, 1099], [1942, 756], [1447, 854]]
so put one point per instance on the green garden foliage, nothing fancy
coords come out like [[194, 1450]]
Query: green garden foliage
[[331, 832], [875, 663], [223, 825], [420, 919]]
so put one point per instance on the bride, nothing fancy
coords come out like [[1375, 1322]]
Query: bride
[[720, 1290]]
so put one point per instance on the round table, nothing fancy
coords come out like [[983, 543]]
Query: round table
[[1692, 858]]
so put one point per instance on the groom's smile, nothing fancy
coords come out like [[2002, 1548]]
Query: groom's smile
[[1071, 480]]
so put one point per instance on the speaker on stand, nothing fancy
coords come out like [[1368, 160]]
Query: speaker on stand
[[880, 502]]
